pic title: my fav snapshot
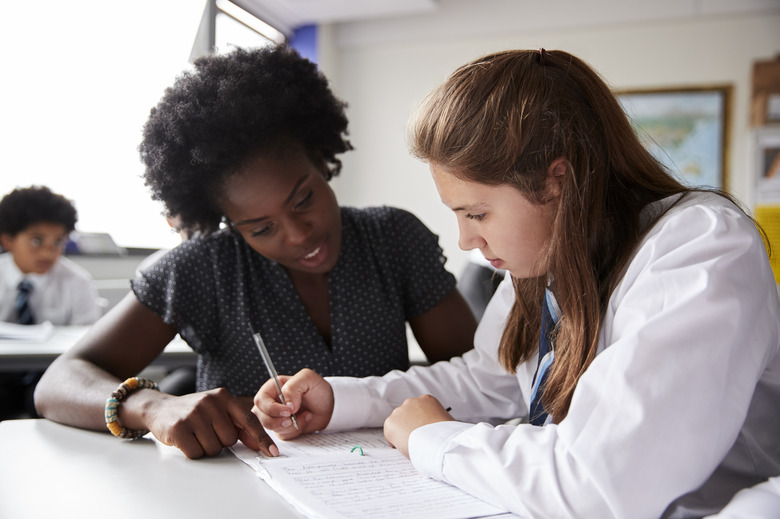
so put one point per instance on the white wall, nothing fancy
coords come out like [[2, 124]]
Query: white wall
[[384, 68]]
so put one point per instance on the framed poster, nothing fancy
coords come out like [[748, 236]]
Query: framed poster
[[684, 128]]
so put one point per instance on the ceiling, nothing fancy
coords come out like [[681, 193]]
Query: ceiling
[[464, 16], [285, 15]]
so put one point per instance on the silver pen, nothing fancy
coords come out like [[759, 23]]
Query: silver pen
[[271, 370]]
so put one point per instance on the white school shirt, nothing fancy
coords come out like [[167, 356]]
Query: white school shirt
[[65, 295], [683, 398]]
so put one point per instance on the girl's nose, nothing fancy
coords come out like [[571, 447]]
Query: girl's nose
[[468, 238]]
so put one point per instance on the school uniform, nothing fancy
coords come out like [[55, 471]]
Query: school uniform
[[679, 410], [65, 295]]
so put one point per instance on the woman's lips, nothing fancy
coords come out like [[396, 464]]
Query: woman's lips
[[316, 256], [312, 253]]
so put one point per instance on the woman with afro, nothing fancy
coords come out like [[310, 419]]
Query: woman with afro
[[241, 150]]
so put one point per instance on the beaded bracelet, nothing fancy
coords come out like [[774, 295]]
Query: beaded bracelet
[[112, 406]]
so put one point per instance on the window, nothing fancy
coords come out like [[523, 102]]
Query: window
[[80, 80]]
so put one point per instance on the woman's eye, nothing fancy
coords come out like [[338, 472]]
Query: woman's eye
[[265, 231], [305, 201], [477, 217]]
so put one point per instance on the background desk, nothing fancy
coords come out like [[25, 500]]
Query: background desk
[[50, 471], [30, 355]]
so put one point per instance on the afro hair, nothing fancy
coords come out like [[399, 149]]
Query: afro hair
[[221, 114]]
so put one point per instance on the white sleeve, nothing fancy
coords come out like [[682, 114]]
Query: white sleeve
[[689, 332], [474, 385]]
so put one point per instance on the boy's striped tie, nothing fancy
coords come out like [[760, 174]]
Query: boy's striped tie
[[24, 312]]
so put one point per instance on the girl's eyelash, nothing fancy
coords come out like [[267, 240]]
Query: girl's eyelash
[[477, 217]]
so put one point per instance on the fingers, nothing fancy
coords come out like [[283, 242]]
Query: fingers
[[195, 437], [308, 396], [204, 423], [268, 409], [413, 413], [251, 432], [204, 426], [283, 425], [396, 433]]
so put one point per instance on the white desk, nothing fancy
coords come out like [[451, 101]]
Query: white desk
[[23, 355], [33, 355], [50, 471]]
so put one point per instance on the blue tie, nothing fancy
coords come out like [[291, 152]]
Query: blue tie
[[24, 312], [546, 357]]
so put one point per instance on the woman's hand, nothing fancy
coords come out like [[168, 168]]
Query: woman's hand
[[308, 396], [413, 413], [204, 423]]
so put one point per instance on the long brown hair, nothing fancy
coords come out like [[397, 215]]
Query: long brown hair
[[503, 119]]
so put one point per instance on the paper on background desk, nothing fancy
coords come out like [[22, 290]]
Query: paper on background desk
[[322, 477], [26, 332]]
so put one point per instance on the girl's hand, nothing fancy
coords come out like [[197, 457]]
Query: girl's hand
[[308, 396], [413, 413], [204, 423]]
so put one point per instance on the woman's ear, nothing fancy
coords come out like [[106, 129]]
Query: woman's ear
[[6, 242], [556, 173]]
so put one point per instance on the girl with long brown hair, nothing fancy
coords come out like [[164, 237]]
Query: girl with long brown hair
[[637, 337]]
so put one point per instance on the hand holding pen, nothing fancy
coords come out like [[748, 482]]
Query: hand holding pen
[[271, 370], [311, 395]]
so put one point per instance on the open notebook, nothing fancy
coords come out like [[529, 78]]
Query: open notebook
[[356, 474]]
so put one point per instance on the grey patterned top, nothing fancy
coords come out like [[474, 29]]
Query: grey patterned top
[[390, 269]]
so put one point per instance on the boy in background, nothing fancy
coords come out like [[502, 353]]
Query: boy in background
[[36, 283], [34, 227]]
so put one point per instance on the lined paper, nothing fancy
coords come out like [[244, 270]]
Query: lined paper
[[323, 477]]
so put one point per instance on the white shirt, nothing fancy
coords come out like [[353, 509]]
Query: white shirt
[[683, 398], [65, 295]]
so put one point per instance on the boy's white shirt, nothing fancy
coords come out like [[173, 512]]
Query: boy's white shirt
[[683, 395], [66, 295]]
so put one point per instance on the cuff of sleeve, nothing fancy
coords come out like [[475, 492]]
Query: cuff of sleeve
[[356, 404], [351, 403], [427, 445]]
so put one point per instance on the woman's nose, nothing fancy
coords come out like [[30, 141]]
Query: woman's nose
[[298, 230]]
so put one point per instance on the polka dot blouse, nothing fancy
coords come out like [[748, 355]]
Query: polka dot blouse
[[390, 269]]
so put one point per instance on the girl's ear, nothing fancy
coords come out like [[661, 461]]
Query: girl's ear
[[556, 173]]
